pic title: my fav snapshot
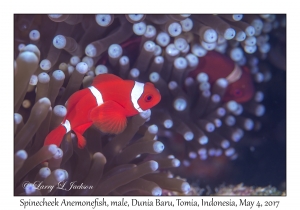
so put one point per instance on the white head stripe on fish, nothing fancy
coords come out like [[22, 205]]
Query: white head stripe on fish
[[96, 93], [67, 125], [136, 93]]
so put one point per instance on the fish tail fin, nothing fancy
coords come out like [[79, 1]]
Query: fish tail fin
[[56, 136]]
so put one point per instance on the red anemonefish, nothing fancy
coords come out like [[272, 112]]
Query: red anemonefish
[[130, 48], [106, 104], [216, 65]]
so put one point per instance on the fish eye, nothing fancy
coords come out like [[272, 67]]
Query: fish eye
[[148, 98], [237, 92]]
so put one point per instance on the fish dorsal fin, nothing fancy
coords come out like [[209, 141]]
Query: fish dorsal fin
[[106, 78], [75, 98]]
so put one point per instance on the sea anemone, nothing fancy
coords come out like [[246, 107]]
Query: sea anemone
[[103, 168], [211, 70]]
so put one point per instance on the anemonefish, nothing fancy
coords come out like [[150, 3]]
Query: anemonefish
[[106, 103], [217, 65], [130, 48]]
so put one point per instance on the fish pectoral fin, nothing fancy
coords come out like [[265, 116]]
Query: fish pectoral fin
[[80, 140], [109, 117]]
